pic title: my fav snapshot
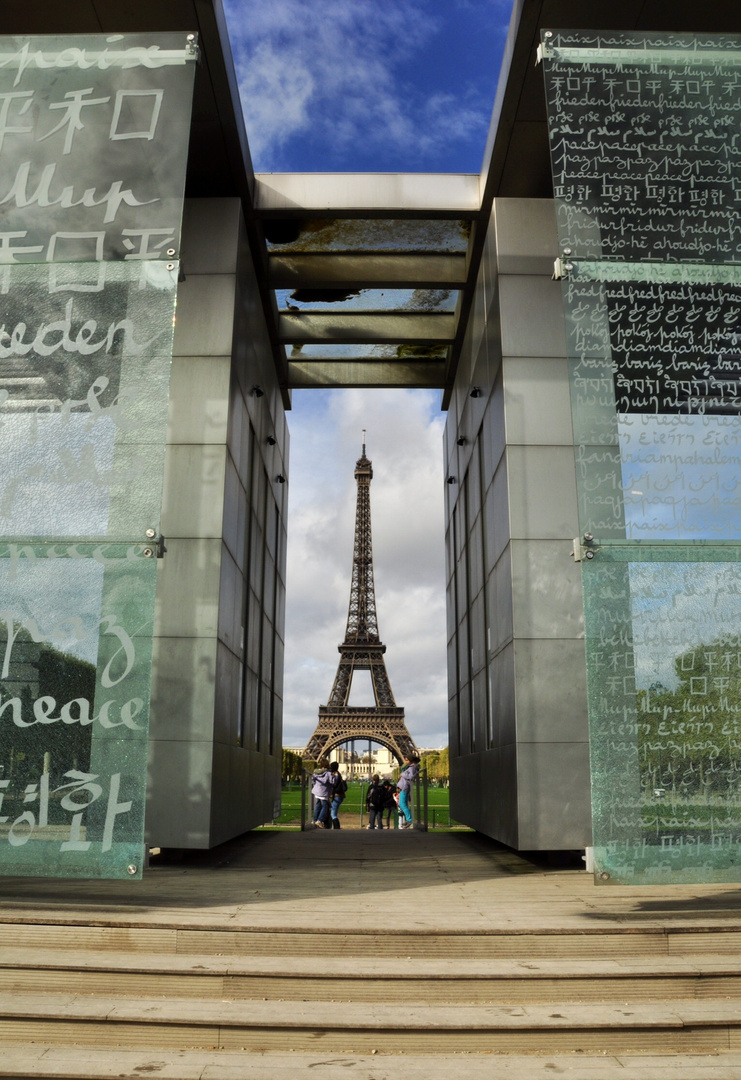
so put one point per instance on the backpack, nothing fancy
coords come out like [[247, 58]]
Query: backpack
[[374, 797], [341, 788]]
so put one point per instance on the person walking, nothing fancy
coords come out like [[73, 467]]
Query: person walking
[[407, 778], [374, 803], [339, 794], [323, 788]]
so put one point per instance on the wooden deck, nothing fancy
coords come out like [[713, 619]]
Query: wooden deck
[[340, 953]]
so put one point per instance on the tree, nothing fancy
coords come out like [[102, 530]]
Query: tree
[[689, 738], [38, 670], [292, 766], [437, 763]]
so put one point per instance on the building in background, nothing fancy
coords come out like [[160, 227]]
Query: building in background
[[354, 764]]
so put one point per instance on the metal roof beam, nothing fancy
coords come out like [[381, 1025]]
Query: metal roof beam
[[359, 328], [424, 375], [366, 270], [368, 194]]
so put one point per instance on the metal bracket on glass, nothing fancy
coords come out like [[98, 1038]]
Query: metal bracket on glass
[[583, 547], [193, 47], [545, 48], [156, 545], [562, 268]]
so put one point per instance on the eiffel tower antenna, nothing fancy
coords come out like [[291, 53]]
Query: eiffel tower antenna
[[361, 650]]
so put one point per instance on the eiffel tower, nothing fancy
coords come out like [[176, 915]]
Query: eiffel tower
[[361, 651]]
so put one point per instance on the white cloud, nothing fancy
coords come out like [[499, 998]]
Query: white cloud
[[341, 72], [677, 607], [352, 84], [276, 91], [404, 436]]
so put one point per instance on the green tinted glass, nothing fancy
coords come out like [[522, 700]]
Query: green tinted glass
[[83, 408], [655, 395], [93, 146], [647, 201], [663, 631], [75, 660]]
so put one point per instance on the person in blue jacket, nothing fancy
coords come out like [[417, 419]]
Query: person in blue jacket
[[404, 786]]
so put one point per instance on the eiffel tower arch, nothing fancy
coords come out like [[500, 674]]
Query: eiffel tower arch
[[362, 650]]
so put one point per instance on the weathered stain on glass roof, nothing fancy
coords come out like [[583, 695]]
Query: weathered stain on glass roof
[[364, 234], [365, 352], [379, 300]]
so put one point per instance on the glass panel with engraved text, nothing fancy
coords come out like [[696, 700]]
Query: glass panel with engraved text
[[75, 662], [84, 380], [663, 631], [93, 144], [643, 146], [655, 366], [93, 140], [646, 186]]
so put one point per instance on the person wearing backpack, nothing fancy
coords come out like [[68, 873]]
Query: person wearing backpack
[[389, 802], [339, 794], [374, 803]]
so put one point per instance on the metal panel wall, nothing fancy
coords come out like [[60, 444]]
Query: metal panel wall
[[216, 705], [519, 751]]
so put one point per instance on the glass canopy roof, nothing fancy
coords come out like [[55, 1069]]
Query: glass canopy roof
[[368, 294], [368, 235]]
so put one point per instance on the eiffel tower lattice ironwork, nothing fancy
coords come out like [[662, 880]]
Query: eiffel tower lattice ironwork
[[361, 650]]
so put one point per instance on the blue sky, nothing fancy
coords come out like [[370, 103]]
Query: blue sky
[[367, 86]]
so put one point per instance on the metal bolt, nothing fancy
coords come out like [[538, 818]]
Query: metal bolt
[[566, 251], [588, 538], [131, 869], [589, 555], [150, 533], [568, 266], [148, 553], [171, 251], [171, 266], [548, 34], [604, 876], [191, 37]]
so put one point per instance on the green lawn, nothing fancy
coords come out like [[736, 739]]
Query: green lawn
[[290, 813]]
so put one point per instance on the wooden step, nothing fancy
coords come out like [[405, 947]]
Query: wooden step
[[34, 970], [390, 945], [72, 1063], [341, 1027]]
